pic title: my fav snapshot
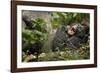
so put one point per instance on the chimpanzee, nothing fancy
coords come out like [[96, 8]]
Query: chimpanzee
[[70, 36]]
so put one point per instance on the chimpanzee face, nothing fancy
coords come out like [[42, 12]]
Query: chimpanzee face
[[72, 29], [75, 28]]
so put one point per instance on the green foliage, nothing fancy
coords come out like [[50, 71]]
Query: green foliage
[[39, 24], [68, 54], [37, 35], [64, 18]]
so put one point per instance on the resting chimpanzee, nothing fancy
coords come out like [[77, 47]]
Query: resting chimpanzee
[[69, 37]]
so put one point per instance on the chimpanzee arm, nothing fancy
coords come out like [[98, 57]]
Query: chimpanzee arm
[[60, 38], [73, 42]]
